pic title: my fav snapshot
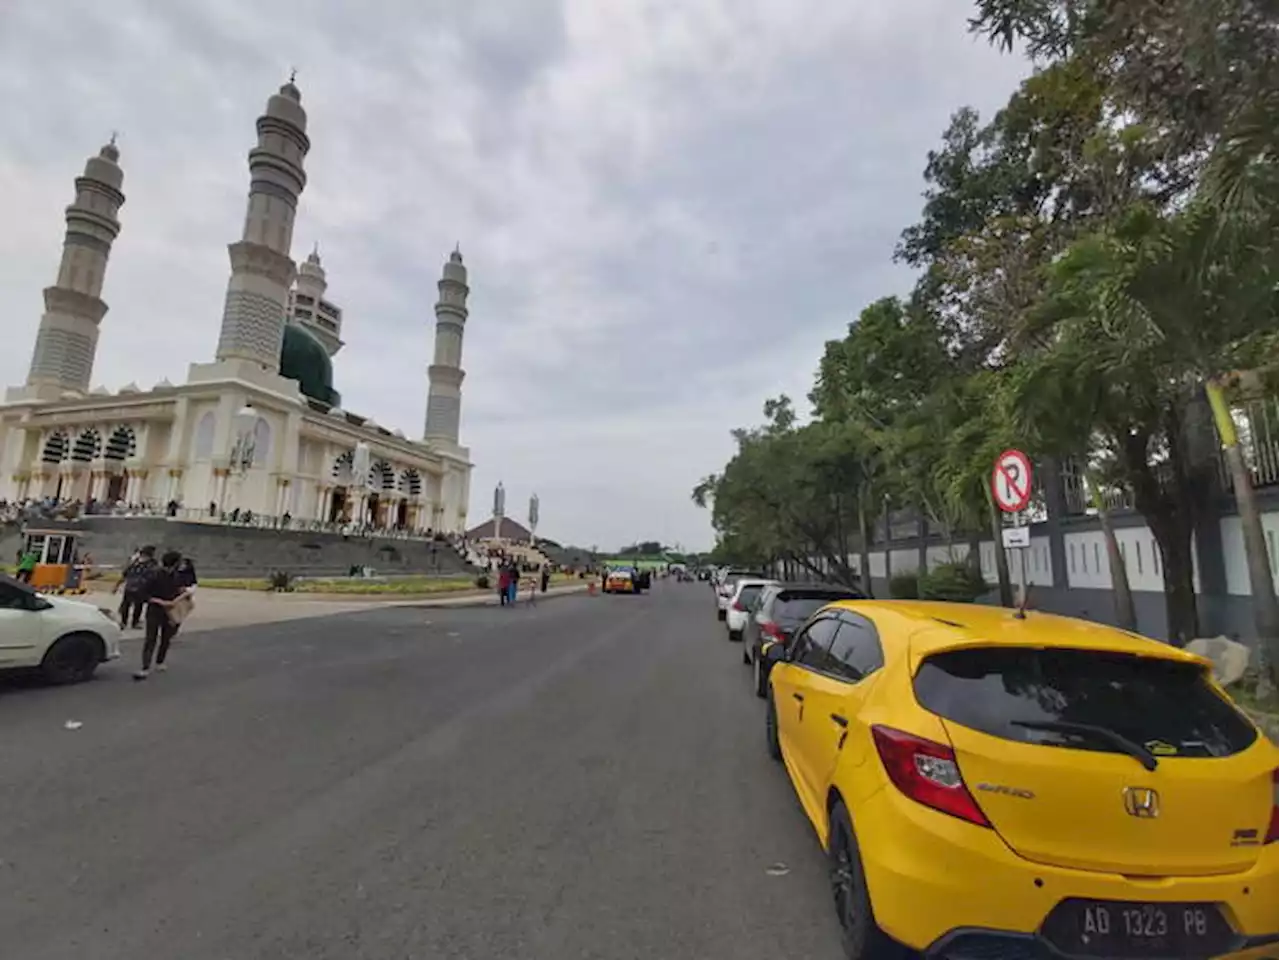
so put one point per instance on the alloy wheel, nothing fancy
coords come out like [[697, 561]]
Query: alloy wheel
[[843, 885]]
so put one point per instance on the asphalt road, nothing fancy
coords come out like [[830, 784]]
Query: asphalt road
[[586, 779]]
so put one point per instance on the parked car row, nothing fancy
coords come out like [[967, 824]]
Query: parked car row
[[990, 784]]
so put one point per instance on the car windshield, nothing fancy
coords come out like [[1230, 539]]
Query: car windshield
[[1084, 699], [793, 609]]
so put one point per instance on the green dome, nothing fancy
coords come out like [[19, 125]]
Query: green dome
[[303, 358]]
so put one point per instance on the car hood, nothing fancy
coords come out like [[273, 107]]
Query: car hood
[[71, 606]]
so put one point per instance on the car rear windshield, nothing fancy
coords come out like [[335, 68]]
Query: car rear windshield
[[1016, 693], [792, 609], [748, 594]]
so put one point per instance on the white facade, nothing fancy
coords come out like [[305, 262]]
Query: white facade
[[146, 449], [187, 447]]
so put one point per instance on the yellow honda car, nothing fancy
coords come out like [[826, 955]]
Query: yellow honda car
[[993, 786]]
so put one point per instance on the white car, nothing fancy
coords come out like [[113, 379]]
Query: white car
[[725, 586], [65, 639], [737, 609]]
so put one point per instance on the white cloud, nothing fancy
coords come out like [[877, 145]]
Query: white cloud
[[666, 208]]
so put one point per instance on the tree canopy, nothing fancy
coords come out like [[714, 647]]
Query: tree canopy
[[1093, 263]]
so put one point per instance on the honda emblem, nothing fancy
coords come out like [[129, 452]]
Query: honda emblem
[[1141, 802]]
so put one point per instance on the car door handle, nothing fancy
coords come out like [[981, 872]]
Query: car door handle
[[840, 720], [799, 696]]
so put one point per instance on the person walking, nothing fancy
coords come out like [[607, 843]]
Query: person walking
[[161, 593], [545, 579], [27, 561], [134, 578], [504, 584], [514, 590]]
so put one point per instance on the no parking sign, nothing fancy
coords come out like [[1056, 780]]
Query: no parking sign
[[1011, 481]]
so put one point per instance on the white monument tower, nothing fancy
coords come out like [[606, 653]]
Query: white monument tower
[[444, 393], [68, 337], [499, 506], [261, 269], [533, 520]]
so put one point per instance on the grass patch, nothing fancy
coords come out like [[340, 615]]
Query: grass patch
[[354, 586]]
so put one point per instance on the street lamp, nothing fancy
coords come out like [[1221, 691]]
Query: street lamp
[[360, 464], [246, 438]]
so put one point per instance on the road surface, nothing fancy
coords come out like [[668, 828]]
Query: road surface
[[586, 779]]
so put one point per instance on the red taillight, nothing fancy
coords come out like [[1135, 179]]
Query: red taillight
[[1273, 825], [926, 772], [737, 605], [773, 632]]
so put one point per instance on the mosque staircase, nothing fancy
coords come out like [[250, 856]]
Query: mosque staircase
[[224, 550]]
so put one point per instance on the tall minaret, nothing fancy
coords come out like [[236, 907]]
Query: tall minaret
[[261, 269], [73, 307], [309, 308], [444, 392]]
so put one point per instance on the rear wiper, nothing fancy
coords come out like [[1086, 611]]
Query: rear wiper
[[1135, 750]]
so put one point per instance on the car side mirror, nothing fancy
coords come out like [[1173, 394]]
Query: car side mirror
[[775, 653]]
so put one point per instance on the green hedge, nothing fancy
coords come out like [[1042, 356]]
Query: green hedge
[[959, 582], [904, 586]]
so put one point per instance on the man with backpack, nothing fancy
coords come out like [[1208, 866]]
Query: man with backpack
[[134, 579]]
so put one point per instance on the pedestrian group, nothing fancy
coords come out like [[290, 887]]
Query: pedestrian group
[[158, 597]]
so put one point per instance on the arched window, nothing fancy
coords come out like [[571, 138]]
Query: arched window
[[202, 443], [341, 472], [411, 482], [382, 476], [87, 446], [261, 441], [122, 444], [55, 448]]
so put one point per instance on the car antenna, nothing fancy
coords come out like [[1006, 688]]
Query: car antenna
[[1021, 612]]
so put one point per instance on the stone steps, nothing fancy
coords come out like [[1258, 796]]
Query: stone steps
[[220, 551]]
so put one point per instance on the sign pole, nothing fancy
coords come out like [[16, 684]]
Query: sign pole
[[1018, 519]]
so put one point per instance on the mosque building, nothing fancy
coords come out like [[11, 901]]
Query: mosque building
[[261, 427]]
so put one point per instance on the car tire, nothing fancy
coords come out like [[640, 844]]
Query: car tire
[[759, 678], [771, 729], [71, 659], [719, 614], [746, 655], [861, 938], [735, 636]]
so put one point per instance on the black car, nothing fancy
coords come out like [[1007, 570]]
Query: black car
[[644, 578], [780, 610]]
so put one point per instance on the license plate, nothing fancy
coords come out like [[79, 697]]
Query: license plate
[[1113, 928]]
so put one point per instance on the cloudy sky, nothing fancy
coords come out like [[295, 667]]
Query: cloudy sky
[[666, 205]]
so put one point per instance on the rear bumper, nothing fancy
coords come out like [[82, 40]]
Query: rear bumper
[[735, 621], [971, 943], [920, 864]]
